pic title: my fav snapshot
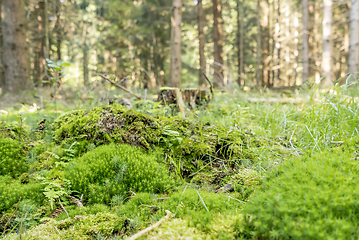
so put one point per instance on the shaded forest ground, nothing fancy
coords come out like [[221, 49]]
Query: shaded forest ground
[[240, 168]]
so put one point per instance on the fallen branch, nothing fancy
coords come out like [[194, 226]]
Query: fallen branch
[[64, 209], [8, 221], [120, 86], [151, 228]]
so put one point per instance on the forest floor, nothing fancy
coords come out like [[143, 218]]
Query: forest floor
[[247, 166]]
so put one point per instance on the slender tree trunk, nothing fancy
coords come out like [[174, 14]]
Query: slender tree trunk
[[1, 43], [327, 48], [239, 6], [266, 33], [277, 45], [58, 30], [305, 42], [85, 59], [202, 60], [176, 64], [241, 44], [354, 38], [15, 55], [258, 66], [46, 28], [218, 43]]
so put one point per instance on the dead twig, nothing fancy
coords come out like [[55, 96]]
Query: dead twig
[[151, 228], [337, 142], [64, 209], [120, 86], [57, 230], [8, 221]]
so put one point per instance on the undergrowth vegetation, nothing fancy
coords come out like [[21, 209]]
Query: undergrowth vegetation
[[235, 169]]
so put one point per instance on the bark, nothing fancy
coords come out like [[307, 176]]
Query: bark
[[258, 66], [15, 55], [305, 42], [1, 42], [240, 53], [85, 57], [218, 43], [277, 79], [202, 60], [46, 28], [327, 48], [354, 38], [266, 33], [176, 64]]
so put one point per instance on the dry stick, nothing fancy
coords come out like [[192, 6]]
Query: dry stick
[[120, 86], [57, 230], [64, 209], [151, 228], [17, 206], [210, 84]]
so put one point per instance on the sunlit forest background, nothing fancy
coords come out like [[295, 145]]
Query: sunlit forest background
[[264, 43]]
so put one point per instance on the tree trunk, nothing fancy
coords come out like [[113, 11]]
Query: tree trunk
[[240, 17], [202, 60], [266, 33], [218, 43], [1, 42], [176, 64], [327, 48], [276, 80], [85, 60], [305, 42], [46, 28], [15, 55], [354, 39], [258, 66]]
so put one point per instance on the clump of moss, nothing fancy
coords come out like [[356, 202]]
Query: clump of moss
[[11, 190], [81, 228], [12, 157], [312, 197], [110, 170], [191, 146]]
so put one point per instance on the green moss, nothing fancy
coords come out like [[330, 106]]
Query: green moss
[[12, 157], [191, 146], [11, 190], [110, 170], [80, 229], [314, 197]]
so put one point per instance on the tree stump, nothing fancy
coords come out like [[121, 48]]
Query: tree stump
[[191, 96]]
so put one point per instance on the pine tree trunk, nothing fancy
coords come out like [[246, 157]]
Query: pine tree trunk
[[176, 64], [258, 66], [218, 43], [354, 39], [327, 48], [276, 79], [266, 33], [15, 55], [239, 6], [202, 60], [305, 42]]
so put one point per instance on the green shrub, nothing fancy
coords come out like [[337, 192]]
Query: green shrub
[[12, 157], [11, 190], [111, 170], [314, 197]]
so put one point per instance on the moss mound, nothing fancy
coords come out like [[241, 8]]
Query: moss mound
[[190, 146], [12, 157], [315, 197], [111, 170], [86, 228], [11, 190]]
